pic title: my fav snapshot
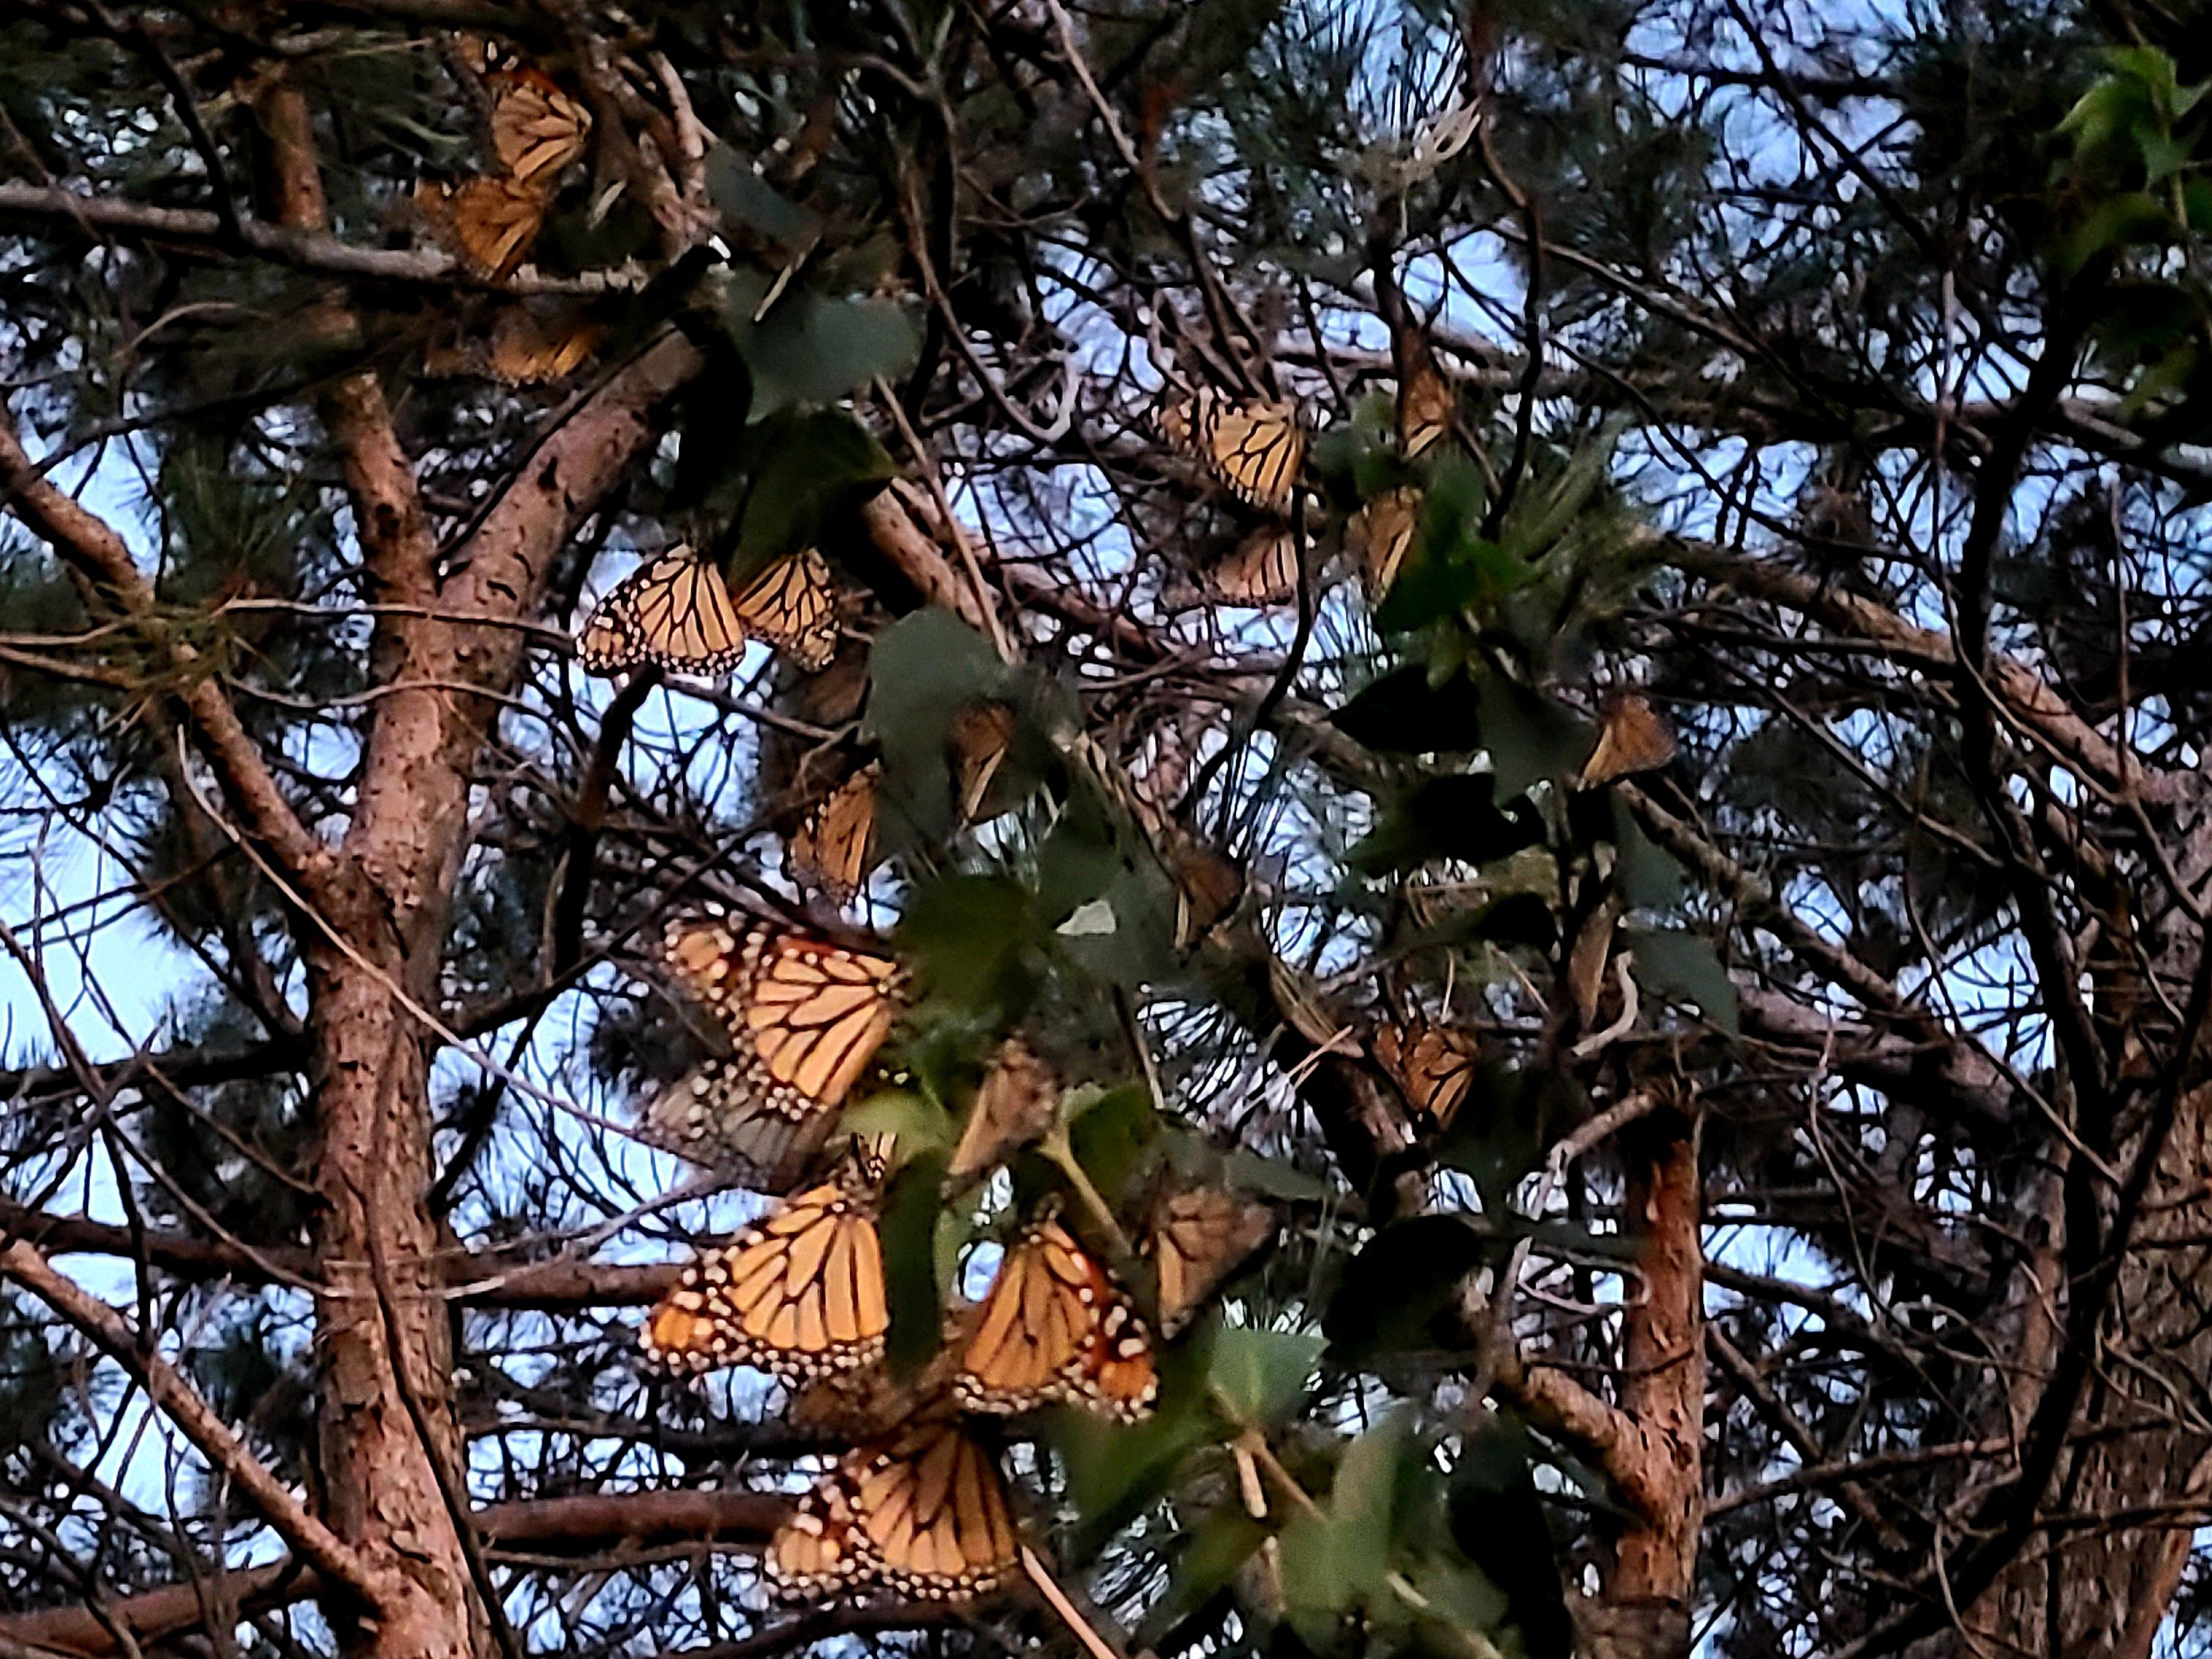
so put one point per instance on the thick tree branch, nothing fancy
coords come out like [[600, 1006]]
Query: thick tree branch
[[57, 211], [578, 1526], [316, 1544]]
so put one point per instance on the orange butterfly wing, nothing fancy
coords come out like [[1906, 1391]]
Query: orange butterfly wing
[[1263, 569], [1634, 738], [800, 1293], [792, 604], [1055, 1328], [1253, 447], [673, 612], [537, 128], [925, 1513], [1016, 1103], [489, 224], [1381, 532], [1435, 1065], [1199, 1237], [805, 1019], [835, 845]]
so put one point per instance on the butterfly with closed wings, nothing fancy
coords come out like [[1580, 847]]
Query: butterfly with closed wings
[[1434, 1064], [835, 845], [1197, 1238], [800, 1293], [536, 130], [1253, 447], [1056, 1328], [804, 1018], [1634, 738], [924, 1513]]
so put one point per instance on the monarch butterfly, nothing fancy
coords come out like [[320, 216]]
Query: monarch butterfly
[[488, 223], [1200, 1235], [677, 612], [1426, 404], [1263, 569], [981, 733], [528, 347], [524, 347], [1434, 1064], [807, 1018], [1253, 447], [1055, 1327], [1017, 1103], [1382, 533], [1207, 885], [924, 1513], [869, 1403], [1634, 738], [799, 1293], [674, 611], [792, 604], [835, 845], [537, 128]]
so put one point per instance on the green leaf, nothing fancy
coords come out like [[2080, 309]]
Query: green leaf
[[921, 1125], [1078, 861], [1648, 876], [748, 202], [1683, 967], [1530, 737], [1111, 1135], [1115, 1470], [1497, 1523], [1260, 1376], [1501, 1129], [1270, 1178], [1363, 1501], [1402, 713], [2131, 217], [1340, 1560], [1397, 1291], [811, 349], [1453, 816], [1451, 566], [971, 940], [802, 472], [922, 670], [908, 1230]]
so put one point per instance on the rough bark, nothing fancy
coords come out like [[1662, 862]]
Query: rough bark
[[1644, 1607]]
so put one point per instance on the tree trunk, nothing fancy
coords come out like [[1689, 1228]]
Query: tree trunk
[[1644, 1609], [2121, 1510]]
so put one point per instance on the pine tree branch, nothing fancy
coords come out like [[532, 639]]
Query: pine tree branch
[[328, 1554], [98, 555], [2029, 706], [481, 1280], [199, 233], [570, 1527], [181, 1067]]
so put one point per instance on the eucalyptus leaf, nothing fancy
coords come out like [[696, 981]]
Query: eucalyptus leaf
[[1260, 1376], [1402, 1292], [908, 1230], [812, 350], [1683, 967]]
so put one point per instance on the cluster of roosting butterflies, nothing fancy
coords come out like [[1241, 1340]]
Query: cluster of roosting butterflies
[[921, 1506], [491, 220]]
